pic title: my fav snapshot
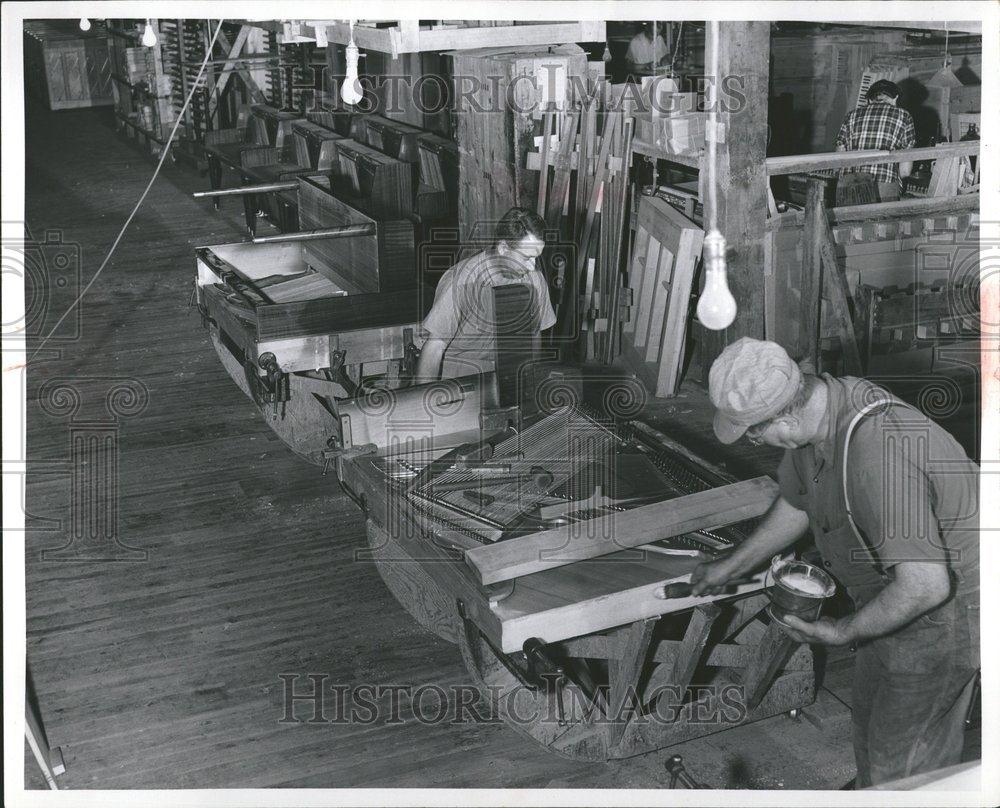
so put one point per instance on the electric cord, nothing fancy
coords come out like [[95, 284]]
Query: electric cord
[[163, 156]]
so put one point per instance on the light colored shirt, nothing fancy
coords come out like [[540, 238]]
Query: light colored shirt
[[463, 313], [642, 50]]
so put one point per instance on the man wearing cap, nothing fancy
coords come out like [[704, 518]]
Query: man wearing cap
[[892, 501]]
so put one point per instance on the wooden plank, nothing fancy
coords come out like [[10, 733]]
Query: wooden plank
[[659, 294], [543, 180], [809, 287], [592, 538], [881, 211], [636, 275], [644, 302], [838, 294], [562, 168], [797, 164], [672, 347], [601, 646]]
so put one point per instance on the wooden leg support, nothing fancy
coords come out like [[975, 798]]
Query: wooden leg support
[[771, 654], [625, 673], [677, 673]]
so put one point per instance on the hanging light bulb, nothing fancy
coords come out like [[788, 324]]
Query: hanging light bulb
[[84, 24], [149, 35], [716, 306], [351, 92]]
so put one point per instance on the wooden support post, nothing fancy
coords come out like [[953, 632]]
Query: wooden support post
[[624, 675], [678, 672], [741, 178], [809, 289], [771, 654], [838, 292]]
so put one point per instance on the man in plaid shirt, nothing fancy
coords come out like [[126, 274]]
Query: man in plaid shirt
[[879, 125]]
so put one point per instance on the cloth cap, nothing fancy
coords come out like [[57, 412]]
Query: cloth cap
[[750, 382]]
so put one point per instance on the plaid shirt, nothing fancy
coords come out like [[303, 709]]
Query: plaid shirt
[[880, 125]]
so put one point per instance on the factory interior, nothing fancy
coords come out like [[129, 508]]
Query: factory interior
[[285, 529]]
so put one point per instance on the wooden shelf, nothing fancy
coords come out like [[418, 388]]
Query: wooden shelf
[[652, 150], [408, 36]]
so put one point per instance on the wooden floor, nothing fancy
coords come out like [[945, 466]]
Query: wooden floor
[[164, 673]]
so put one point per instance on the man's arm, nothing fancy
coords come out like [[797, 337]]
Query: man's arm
[[781, 526], [918, 586], [429, 364]]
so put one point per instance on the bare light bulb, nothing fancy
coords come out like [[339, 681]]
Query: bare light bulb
[[351, 92], [149, 35], [716, 306], [84, 24]]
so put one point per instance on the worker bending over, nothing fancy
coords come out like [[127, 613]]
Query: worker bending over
[[892, 500], [882, 125], [460, 330]]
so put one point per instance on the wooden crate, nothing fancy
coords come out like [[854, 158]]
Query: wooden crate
[[66, 68]]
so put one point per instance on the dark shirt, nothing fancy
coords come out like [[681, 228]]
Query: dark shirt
[[913, 491]]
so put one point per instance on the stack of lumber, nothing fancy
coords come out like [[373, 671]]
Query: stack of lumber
[[584, 192]]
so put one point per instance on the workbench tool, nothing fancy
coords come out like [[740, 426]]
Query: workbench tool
[[678, 774], [682, 589]]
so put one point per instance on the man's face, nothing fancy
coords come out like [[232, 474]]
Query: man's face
[[524, 252], [782, 432]]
